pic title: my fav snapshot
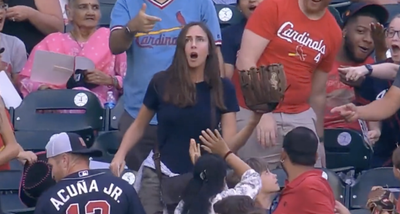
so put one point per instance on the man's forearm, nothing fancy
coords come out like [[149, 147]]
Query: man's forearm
[[244, 63], [378, 110], [8, 153], [120, 41], [317, 103], [241, 137], [386, 71], [46, 23]]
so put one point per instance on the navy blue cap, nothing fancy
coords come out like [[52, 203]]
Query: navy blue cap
[[379, 11]]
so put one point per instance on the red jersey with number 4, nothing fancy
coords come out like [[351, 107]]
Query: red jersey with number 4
[[300, 44], [89, 192]]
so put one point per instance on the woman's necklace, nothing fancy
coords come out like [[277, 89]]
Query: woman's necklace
[[80, 45]]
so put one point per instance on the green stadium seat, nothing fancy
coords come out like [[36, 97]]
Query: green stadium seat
[[346, 148], [374, 177], [9, 185], [116, 113], [106, 7], [109, 143]]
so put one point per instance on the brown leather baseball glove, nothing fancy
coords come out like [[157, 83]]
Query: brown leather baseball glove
[[381, 201], [263, 88]]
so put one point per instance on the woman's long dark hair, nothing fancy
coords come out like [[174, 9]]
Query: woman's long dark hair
[[208, 180], [180, 89]]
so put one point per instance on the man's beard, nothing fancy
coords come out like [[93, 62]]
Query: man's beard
[[348, 50]]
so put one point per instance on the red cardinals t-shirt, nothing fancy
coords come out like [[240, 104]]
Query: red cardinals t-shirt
[[301, 45], [337, 94]]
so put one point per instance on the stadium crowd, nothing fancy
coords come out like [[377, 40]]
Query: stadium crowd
[[170, 70]]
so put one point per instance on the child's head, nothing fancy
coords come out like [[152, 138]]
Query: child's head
[[237, 204], [269, 180], [396, 162]]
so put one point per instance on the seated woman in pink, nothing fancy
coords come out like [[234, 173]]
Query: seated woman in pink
[[83, 40]]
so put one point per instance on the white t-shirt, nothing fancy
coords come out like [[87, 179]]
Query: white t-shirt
[[14, 56]]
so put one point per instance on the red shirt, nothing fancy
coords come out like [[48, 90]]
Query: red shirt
[[337, 94], [7, 165], [300, 44], [309, 193]]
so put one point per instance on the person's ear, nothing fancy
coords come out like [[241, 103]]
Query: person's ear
[[344, 32], [68, 11], [283, 156]]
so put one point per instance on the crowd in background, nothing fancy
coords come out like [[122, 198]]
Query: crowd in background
[[184, 113]]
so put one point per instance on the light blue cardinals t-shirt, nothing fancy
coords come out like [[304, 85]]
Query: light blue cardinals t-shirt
[[153, 52]]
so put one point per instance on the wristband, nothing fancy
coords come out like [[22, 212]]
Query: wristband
[[369, 68], [321, 139], [227, 154]]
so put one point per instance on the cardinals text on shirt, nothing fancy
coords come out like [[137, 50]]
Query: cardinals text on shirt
[[81, 188], [287, 32]]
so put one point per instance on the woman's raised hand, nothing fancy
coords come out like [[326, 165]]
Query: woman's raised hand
[[117, 165], [213, 142], [194, 151]]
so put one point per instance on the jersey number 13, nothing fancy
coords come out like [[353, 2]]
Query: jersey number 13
[[101, 206]]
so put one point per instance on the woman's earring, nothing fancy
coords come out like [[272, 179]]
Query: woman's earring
[[282, 161]]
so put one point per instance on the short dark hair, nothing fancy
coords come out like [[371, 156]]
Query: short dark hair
[[236, 204], [396, 158], [232, 179], [301, 146]]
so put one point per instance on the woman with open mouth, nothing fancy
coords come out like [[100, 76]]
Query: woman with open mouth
[[187, 98]]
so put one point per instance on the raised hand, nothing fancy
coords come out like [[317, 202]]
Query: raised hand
[[348, 112], [378, 36], [213, 142], [353, 73], [194, 151], [143, 22], [117, 165]]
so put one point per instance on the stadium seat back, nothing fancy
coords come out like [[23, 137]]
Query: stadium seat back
[[344, 148], [228, 14], [116, 113], [106, 7], [360, 211], [16, 165], [336, 14], [338, 187], [109, 143], [374, 177], [9, 185], [36, 141], [33, 113]]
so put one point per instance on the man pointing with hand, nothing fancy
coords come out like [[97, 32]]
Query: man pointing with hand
[[147, 30], [378, 110]]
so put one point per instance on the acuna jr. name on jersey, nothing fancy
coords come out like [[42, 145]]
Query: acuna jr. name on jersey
[[80, 188]]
